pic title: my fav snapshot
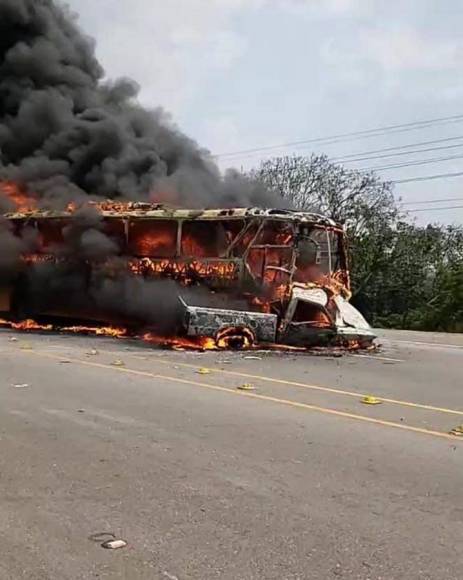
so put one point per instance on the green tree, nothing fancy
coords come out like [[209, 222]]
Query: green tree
[[442, 308], [403, 275], [361, 201]]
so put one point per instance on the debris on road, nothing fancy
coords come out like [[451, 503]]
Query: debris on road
[[118, 363], [203, 371], [457, 431], [93, 352], [252, 358], [370, 400], [108, 541], [13, 339], [21, 386], [246, 387], [114, 544], [65, 362]]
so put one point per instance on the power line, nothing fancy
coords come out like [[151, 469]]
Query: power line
[[431, 201], [346, 136], [436, 208], [411, 163], [349, 136], [427, 177], [397, 147], [401, 154]]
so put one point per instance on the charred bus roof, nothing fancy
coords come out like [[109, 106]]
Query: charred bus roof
[[150, 211]]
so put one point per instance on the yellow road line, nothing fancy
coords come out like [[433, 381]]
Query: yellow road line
[[307, 386], [285, 402]]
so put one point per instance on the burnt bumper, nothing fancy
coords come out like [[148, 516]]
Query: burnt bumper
[[204, 321]]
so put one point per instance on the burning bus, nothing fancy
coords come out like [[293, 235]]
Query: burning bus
[[234, 276], [237, 276]]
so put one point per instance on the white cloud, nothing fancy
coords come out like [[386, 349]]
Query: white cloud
[[167, 46], [407, 49], [323, 8], [171, 47], [390, 55], [222, 134]]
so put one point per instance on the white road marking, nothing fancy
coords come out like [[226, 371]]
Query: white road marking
[[377, 357], [437, 344], [19, 413]]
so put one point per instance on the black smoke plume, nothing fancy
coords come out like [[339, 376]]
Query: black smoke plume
[[65, 134]]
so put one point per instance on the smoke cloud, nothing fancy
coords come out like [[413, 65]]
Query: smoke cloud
[[66, 134]]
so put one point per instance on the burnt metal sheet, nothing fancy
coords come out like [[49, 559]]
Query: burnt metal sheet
[[202, 321], [156, 211], [349, 315], [363, 335], [307, 335], [314, 295]]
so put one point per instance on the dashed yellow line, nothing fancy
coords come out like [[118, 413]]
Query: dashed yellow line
[[256, 396], [308, 386]]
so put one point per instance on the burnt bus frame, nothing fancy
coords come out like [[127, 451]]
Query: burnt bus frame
[[252, 219]]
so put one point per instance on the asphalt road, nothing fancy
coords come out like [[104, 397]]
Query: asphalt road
[[296, 479]]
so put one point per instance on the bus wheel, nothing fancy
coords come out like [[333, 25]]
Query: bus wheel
[[235, 338]]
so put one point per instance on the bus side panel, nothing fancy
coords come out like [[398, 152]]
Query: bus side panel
[[5, 298]]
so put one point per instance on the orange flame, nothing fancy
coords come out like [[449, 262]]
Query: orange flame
[[181, 343], [153, 244], [96, 330], [272, 268], [232, 338], [193, 343], [185, 268], [29, 325], [23, 202]]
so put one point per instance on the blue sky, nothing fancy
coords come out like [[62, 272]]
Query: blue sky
[[239, 74]]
